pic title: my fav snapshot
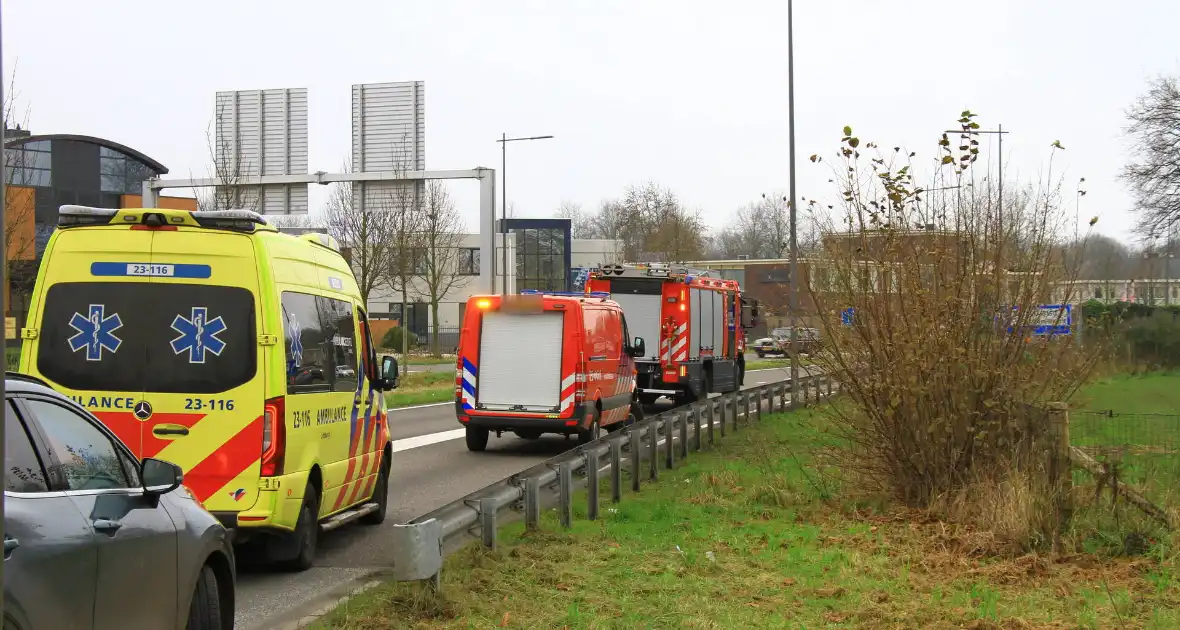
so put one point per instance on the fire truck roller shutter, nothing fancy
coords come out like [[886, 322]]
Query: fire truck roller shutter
[[695, 323], [520, 360], [718, 323], [643, 317], [707, 319]]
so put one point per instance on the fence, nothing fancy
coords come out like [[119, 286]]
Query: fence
[[641, 449], [422, 339], [1141, 450]]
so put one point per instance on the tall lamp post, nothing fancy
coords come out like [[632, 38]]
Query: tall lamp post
[[504, 140], [794, 235]]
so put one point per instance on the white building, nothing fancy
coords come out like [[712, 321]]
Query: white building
[[540, 253]]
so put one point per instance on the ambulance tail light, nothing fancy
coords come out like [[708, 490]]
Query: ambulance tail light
[[274, 436]]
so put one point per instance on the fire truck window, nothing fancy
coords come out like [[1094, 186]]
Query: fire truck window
[[614, 334]]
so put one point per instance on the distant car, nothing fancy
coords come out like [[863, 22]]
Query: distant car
[[765, 346], [93, 538], [345, 371]]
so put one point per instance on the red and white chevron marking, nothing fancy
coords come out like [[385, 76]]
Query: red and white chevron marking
[[568, 387]]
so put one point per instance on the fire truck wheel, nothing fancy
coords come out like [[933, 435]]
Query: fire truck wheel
[[586, 436], [477, 438]]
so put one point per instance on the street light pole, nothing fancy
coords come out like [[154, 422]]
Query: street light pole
[[504, 140], [794, 215]]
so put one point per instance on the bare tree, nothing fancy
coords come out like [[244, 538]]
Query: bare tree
[[23, 166], [366, 238], [650, 223], [441, 235], [581, 224], [1154, 173], [226, 165]]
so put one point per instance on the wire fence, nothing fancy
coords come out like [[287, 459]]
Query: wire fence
[[1139, 449]]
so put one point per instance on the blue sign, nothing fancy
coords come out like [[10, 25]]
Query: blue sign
[[96, 332], [847, 315], [198, 333], [1048, 320]]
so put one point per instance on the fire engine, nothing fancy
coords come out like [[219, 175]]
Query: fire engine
[[699, 321]]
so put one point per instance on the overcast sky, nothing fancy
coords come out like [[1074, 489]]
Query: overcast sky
[[685, 93]]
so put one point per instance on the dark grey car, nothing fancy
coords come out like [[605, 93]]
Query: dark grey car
[[95, 539]]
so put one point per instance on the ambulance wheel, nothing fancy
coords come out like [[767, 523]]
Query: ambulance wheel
[[380, 496], [477, 438], [586, 436], [307, 533]]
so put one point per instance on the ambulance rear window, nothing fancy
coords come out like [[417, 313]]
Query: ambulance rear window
[[168, 338]]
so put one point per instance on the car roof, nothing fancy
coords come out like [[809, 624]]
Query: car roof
[[16, 382]]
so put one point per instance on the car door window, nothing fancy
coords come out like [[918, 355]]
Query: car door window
[[87, 456], [23, 470]]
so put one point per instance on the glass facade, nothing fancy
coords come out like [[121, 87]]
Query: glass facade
[[542, 254], [62, 169]]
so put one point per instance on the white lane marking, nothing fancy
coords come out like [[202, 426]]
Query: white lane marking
[[419, 441], [393, 409]]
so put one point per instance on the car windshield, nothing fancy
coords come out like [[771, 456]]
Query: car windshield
[[152, 337]]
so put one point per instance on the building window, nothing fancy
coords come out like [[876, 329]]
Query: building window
[[540, 259], [120, 173], [28, 164], [469, 261], [1097, 293]]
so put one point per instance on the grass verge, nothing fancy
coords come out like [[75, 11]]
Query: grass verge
[[11, 359], [754, 535], [422, 388], [422, 359]]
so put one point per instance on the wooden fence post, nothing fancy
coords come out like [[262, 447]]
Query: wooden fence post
[[1060, 469]]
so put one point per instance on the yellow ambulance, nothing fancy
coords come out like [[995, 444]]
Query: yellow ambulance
[[212, 340]]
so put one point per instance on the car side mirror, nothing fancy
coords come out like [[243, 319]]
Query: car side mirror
[[389, 373], [638, 349], [160, 477]]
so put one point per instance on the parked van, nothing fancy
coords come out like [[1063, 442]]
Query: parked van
[[213, 341], [544, 363]]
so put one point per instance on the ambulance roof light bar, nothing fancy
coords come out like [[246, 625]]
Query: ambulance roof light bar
[[70, 215]]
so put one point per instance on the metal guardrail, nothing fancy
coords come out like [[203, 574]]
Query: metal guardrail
[[420, 545]]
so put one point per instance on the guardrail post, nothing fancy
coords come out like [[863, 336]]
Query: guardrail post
[[592, 486], [758, 396], [532, 503], [684, 416], [487, 522], [669, 426], [616, 471], [696, 421], [653, 459], [710, 406], [565, 487], [417, 551], [738, 399], [635, 440], [722, 400]]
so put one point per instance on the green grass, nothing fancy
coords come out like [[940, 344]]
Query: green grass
[[752, 535], [422, 388], [11, 358], [1133, 423]]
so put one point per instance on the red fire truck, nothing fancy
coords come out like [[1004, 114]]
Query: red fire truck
[[699, 321]]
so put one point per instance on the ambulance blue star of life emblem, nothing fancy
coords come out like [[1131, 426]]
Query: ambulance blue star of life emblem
[[198, 334], [96, 332], [295, 334]]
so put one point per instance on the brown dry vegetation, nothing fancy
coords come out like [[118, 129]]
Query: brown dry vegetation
[[944, 401]]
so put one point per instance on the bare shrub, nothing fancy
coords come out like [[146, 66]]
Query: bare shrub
[[942, 372]]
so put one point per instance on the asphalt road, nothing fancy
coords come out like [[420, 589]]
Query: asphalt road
[[431, 467]]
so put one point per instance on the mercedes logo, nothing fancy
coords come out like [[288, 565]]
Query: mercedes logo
[[143, 410]]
